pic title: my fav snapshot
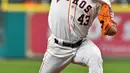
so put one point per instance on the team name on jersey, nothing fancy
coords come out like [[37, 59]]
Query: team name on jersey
[[83, 5]]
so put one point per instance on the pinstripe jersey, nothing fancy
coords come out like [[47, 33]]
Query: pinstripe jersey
[[70, 20]]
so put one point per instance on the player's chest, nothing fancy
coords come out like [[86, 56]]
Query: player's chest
[[84, 5]]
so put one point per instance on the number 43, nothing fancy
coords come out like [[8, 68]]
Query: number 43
[[82, 18]]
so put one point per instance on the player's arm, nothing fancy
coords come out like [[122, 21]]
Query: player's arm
[[108, 25]]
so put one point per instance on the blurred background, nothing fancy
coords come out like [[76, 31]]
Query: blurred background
[[24, 32]]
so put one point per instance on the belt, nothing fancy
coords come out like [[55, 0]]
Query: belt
[[72, 45]]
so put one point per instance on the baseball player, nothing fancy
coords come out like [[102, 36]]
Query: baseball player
[[69, 21]]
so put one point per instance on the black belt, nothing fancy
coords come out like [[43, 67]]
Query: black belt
[[72, 45]]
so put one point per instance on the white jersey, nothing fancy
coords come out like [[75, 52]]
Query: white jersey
[[70, 20]]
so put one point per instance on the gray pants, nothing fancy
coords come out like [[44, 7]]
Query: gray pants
[[87, 54]]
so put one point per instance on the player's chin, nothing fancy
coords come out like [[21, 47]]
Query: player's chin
[[111, 34], [112, 31]]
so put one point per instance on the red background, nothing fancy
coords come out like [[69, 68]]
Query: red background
[[117, 46]]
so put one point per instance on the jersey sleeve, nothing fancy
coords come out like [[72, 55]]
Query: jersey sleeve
[[106, 1]]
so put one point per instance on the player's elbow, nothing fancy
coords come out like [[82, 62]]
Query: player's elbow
[[112, 31]]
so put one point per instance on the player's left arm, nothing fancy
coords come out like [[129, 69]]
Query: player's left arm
[[108, 25]]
